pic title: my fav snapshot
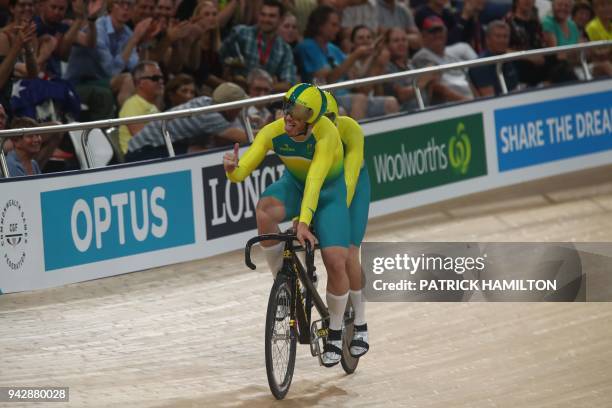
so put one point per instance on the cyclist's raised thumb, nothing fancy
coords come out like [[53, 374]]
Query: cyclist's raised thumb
[[236, 147]]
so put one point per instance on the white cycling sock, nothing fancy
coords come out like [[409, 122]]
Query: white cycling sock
[[336, 305], [274, 257], [358, 306]]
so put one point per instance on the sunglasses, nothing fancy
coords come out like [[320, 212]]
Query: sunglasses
[[298, 112], [154, 78]]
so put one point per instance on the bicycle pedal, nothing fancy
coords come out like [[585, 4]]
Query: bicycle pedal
[[318, 335]]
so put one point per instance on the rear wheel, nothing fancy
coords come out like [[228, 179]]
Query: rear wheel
[[280, 339], [349, 363]]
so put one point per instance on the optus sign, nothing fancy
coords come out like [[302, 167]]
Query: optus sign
[[110, 220], [425, 156]]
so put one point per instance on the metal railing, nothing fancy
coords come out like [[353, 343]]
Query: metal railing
[[414, 74]]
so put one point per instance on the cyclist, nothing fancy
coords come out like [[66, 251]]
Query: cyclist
[[358, 202], [312, 186]]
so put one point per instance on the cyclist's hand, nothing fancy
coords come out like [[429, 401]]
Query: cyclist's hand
[[296, 221], [230, 159], [303, 234]]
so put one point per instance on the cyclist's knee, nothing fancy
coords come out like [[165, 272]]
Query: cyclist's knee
[[335, 260], [269, 209], [353, 252]]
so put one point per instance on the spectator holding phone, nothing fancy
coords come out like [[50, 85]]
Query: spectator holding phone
[[372, 65]]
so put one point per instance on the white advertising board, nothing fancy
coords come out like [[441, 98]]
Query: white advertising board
[[72, 227]]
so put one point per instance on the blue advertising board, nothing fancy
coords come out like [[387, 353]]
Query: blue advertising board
[[110, 220], [553, 130]]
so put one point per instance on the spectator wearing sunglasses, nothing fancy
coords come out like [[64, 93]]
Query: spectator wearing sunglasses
[[192, 133], [149, 83]]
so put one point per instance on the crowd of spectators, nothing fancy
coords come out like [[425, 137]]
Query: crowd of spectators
[[77, 60]]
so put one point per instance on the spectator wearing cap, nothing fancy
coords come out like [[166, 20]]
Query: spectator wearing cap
[[21, 161], [484, 77], [259, 46], [438, 8], [468, 28], [392, 14], [454, 84], [149, 83], [582, 13], [191, 133]]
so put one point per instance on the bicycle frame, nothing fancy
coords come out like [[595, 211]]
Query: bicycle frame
[[292, 267]]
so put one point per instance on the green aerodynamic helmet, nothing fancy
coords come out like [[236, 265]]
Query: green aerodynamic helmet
[[305, 102], [332, 106]]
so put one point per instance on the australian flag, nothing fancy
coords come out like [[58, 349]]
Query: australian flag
[[44, 100]]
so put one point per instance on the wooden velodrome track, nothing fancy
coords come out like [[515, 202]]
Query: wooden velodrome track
[[191, 335]]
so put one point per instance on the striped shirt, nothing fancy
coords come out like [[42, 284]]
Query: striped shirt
[[195, 126]]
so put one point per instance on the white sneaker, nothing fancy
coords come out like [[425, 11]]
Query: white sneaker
[[359, 343], [332, 353]]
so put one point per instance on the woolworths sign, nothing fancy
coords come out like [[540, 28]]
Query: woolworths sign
[[425, 156]]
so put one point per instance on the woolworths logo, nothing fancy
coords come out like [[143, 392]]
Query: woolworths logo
[[433, 157], [460, 150], [405, 164], [429, 155]]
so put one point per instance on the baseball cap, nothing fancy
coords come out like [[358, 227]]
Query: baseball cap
[[228, 92], [431, 22]]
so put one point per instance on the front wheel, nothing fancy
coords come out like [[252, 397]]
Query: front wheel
[[349, 363], [280, 339]]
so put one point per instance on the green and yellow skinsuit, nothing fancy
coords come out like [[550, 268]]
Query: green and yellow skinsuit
[[313, 184]]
